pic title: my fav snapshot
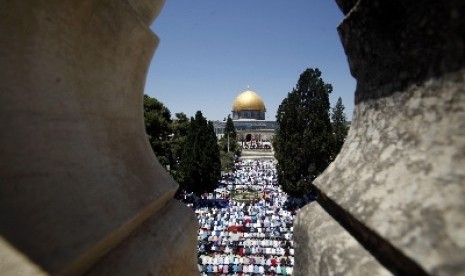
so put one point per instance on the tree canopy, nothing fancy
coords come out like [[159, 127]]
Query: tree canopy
[[228, 146], [179, 128], [339, 122], [303, 141], [200, 162], [189, 147], [228, 142], [157, 118]]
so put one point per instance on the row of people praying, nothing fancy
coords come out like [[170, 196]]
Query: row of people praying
[[246, 237]]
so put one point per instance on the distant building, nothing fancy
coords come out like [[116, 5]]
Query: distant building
[[248, 114]]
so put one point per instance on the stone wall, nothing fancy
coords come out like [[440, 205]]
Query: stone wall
[[80, 190], [393, 200]]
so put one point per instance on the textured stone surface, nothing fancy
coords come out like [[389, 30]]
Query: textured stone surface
[[158, 247], [13, 262], [77, 174], [148, 10], [393, 44], [401, 173], [398, 184], [338, 253], [346, 5]]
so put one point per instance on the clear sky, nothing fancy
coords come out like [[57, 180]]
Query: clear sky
[[210, 50]]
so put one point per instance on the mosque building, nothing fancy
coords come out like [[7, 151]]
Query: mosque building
[[248, 115]]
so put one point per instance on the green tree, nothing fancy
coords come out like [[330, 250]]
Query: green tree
[[228, 145], [230, 136], [339, 122], [179, 126], [200, 163], [303, 141], [227, 161], [211, 162], [157, 118]]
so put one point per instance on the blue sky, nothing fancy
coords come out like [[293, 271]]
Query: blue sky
[[210, 50]]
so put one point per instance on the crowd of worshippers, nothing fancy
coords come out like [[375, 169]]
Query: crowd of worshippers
[[252, 237]]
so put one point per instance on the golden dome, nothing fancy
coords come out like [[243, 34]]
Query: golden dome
[[248, 100]]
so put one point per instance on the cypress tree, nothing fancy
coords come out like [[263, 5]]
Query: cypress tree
[[200, 165], [303, 141], [211, 162], [230, 135], [339, 121], [229, 147]]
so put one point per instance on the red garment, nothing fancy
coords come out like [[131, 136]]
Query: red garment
[[273, 262], [240, 251]]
